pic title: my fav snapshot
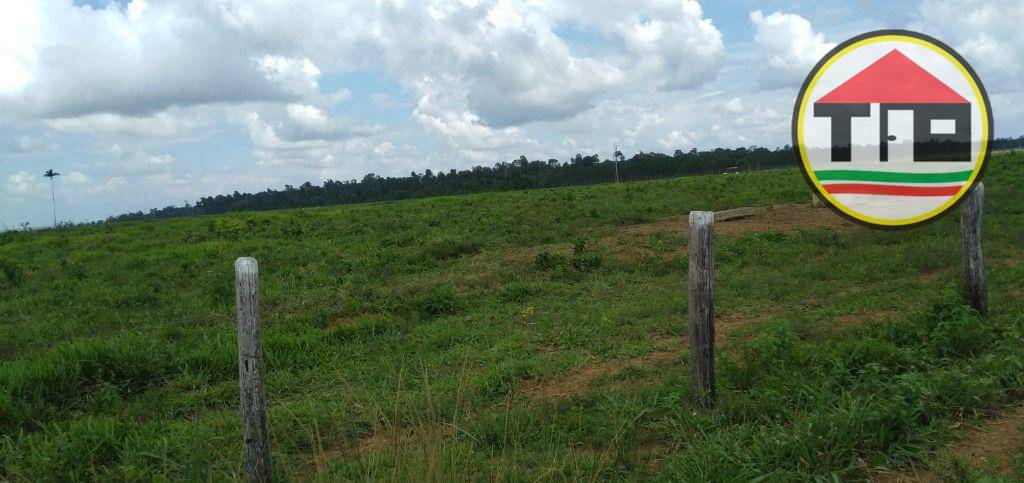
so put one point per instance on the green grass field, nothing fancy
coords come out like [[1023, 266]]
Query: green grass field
[[515, 336]]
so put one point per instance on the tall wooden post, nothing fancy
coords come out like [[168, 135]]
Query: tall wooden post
[[702, 308], [258, 465], [974, 268]]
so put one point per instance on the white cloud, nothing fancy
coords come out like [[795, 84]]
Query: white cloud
[[136, 9], [340, 95], [24, 183], [161, 124], [675, 140], [303, 126], [143, 162], [788, 45], [19, 34], [30, 145], [295, 75], [669, 41], [78, 179], [384, 148], [63, 60], [734, 105], [986, 32]]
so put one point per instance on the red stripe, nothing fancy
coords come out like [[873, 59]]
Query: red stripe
[[888, 189]]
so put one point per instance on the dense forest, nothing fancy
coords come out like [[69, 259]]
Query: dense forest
[[511, 175]]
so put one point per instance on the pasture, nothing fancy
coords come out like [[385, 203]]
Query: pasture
[[521, 336]]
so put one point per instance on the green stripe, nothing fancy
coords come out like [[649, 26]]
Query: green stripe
[[892, 177]]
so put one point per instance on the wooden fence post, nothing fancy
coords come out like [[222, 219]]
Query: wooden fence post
[[702, 308], [974, 268], [817, 201], [258, 465]]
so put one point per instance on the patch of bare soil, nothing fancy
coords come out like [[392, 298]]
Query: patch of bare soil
[[783, 218], [993, 444], [988, 449], [579, 380], [849, 320], [381, 440], [666, 349], [786, 218], [630, 242], [340, 321]]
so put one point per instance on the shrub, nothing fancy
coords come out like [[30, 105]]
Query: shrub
[[960, 332], [440, 300], [449, 249], [586, 262], [515, 292], [549, 261], [579, 246], [228, 227], [12, 272]]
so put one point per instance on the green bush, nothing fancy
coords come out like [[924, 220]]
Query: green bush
[[440, 300], [960, 332], [12, 272], [514, 292], [449, 249], [549, 261], [228, 227], [586, 262]]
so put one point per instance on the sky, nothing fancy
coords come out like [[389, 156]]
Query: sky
[[146, 103]]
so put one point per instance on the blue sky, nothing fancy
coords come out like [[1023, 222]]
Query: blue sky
[[142, 104]]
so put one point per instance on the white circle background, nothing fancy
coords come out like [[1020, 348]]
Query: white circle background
[[817, 130]]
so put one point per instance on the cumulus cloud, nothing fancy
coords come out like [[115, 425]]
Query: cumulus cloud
[[78, 178], [788, 46], [669, 41], [303, 126], [29, 145], [64, 60], [293, 74], [503, 59], [987, 33], [145, 163], [161, 124], [471, 68], [24, 183]]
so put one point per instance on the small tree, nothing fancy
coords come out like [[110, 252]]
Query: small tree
[[52, 174]]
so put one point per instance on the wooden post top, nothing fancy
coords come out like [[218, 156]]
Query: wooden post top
[[246, 265], [702, 217]]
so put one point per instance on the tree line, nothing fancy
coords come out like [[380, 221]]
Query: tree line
[[516, 174]]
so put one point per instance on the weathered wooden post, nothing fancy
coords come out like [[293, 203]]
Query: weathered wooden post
[[817, 201], [702, 308], [974, 268], [258, 465]]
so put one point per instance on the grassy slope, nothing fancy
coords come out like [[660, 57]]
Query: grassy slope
[[432, 337]]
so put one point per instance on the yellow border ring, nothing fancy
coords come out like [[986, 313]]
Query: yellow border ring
[[879, 36]]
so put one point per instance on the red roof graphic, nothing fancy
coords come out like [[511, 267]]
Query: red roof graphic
[[893, 79]]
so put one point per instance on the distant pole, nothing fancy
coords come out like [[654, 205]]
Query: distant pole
[[616, 157], [53, 199], [53, 203], [702, 308], [974, 268], [258, 465]]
